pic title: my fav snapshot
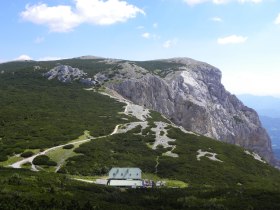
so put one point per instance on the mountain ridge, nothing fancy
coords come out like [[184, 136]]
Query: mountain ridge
[[191, 94]]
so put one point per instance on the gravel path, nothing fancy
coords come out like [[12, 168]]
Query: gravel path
[[131, 109], [30, 159]]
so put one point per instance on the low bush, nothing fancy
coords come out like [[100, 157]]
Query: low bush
[[27, 154], [43, 160], [68, 146]]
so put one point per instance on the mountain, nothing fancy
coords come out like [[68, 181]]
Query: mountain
[[268, 106], [190, 94], [187, 92], [272, 126], [269, 110], [71, 121]]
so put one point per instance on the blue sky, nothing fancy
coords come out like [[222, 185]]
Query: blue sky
[[240, 37]]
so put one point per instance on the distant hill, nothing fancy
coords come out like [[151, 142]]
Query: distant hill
[[272, 126], [268, 108], [265, 105]]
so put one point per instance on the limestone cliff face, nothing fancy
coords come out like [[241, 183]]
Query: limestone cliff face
[[193, 97], [187, 92]]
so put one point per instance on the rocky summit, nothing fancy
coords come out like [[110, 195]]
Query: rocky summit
[[187, 92]]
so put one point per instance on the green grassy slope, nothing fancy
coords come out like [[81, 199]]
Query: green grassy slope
[[37, 113], [22, 189], [90, 66], [130, 150]]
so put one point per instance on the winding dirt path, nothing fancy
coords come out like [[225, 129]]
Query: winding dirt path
[[18, 164], [157, 163], [130, 109]]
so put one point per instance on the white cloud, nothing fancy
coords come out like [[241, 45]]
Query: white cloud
[[146, 35], [106, 12], [277, 20], [233, 39], [170, 43], [155, 25], [23, 58], [194, 2], [63, 18], [57, 18], [217, 19], [39, 40]]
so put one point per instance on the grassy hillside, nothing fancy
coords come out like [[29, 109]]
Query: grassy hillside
[[90, 66], [22, 189], [36, 113], [130, 149]]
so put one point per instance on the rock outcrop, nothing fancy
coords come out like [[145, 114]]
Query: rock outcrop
[[193, 97], [68, 74]]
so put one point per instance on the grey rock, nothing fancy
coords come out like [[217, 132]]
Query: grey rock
[[193, 97], [67, 74]]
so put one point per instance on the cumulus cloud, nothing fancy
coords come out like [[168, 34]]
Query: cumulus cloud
[[233, 39], [146, 35], [277, 20], [57, 18], [64, 18], [170, 43], [217, 19], [194, 2], [23, 58]]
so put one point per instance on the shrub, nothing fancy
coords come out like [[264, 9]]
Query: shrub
[[15, 179], [27, 154], [3, 158], [43, 160], [68, 146]]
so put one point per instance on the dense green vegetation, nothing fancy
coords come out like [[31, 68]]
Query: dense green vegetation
[[122, 150], [43, 160], [90, 66], [159, 67], [36, 113], [131, 150], [237, 167], [22, 189], [26, 154]]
